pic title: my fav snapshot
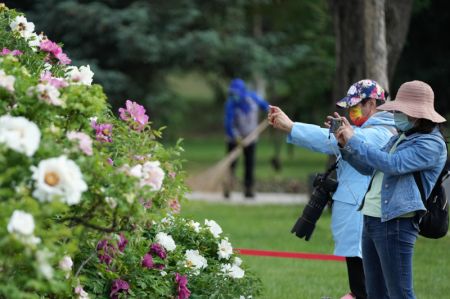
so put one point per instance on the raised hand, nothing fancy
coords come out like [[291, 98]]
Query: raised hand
[[279, 120]]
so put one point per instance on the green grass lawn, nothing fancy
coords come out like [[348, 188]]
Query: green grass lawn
[[202, 153], [268, 227]]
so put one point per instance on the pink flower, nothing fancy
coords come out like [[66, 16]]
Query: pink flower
[[53, 48], [122, 242], [7, 51], [103, 132], [174, 205], [118, 286], [84, 141], [183, 291], [134, 113], [147, 261], [105, 251], [46, 77], [157, 249], [110, 161], [172, 174]]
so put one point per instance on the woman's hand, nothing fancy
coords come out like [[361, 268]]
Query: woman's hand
[[345, 132], [279, 120]]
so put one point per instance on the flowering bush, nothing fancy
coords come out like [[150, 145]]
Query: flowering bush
[[80, 190]]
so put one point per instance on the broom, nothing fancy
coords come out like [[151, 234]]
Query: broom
[[215, 177]]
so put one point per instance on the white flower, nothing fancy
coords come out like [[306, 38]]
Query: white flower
[[49, 94], [58, 178], [21, 25], [195, 225], [7, 81], [169, 219], [19, 134], [82, 294], [21, 223], [152, 175], [66, 264], [213, 227], [136, 171], [112, 203], [34, 40], [195, 261], [232, 270], [237, 261], [163, 273], [44, 267], [224, 249], [166, 241], [82, 75]]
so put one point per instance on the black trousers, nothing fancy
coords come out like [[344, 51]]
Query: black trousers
[[249, 160], [356, 278]]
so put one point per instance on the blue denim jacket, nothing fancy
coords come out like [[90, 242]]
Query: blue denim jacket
[[417, 152]]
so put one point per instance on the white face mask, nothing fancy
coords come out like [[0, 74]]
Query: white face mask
[[402, 122]]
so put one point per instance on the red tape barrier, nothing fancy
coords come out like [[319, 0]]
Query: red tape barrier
[[294, 255]]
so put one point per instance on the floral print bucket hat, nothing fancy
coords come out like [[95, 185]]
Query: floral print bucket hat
[[362, 90]]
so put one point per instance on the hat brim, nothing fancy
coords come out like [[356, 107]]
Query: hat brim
[[413, 111], [346, 102]]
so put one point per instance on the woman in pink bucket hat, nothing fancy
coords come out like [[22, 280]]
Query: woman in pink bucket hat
[[392, 206]]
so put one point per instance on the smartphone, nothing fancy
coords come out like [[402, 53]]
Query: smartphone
[[335, 123]]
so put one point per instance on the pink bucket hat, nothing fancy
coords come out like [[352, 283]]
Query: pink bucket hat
[[415, 99]]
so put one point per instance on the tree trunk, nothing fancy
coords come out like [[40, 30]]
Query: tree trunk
[[398, 16], [375, 48], [370, 35]]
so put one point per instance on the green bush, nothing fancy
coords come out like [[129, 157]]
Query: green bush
[[82, 192]]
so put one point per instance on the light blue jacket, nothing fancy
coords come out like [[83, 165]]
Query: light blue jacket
[[417, 152], [352, 185]]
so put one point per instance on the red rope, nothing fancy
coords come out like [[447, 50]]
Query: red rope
[[295, 255]]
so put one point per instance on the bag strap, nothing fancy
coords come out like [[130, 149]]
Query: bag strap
[[418, 180]]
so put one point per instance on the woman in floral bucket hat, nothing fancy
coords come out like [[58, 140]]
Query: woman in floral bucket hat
[[371, 125], [392, 206]]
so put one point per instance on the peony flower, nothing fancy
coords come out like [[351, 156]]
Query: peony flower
[[103, 132], [182, 290], [44, 267], [21, 25], [166, 241], [105, 251], [237, 261], [7, 51], [134, 113], [19, 134], [7, 81], [157, 249], [195, 261], [66, 264], [47, 78], [21, 223], [122, 242], [58, 178], [81, 293], [152, 175], [84, 141], [225, 250], [82, 75], [195, 225], [232, 271], [175, 206], [35, 40], [53, 48], [118, 286], [49, 94], [147, 261], [213, 227]]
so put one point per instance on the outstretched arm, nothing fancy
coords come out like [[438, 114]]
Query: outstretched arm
[[260, 101]]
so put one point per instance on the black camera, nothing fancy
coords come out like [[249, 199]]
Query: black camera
[[324, 186]]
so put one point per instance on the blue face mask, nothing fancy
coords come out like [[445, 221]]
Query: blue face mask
[[402, 122]]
